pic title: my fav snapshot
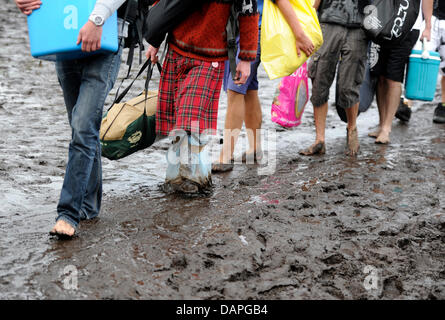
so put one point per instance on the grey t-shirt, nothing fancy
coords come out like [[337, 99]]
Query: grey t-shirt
[[343, 12]]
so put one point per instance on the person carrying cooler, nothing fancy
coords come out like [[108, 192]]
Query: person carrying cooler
[[438, 40], [345, 44], [190, 86], [243, 103], [85, 84], [390, 65]]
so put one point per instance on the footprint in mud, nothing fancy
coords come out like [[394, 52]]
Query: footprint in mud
[[403, 243], [412, 166], [179, 262], [242, 276], [296, 267], [392, 287], [250, 182], [335, 258]]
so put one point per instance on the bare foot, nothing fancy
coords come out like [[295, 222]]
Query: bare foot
[[63, 229], [316, 148], [352, 141], [383, 137], [219, 167], [252, 156], [374, 134]]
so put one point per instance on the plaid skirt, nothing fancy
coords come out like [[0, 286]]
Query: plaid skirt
[[189, 91]]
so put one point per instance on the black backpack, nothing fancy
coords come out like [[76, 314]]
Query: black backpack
[[135, 13], [165, 16], [168, 13], [390, 20]]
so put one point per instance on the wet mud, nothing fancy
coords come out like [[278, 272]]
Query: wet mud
[[321, 227]]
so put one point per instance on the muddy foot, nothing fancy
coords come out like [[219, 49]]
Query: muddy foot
[[63, 230], [252, 157], [352, 141], [374, 134], [316, 148], [221, 167], [383, 138]]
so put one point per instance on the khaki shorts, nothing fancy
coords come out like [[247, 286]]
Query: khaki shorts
[[347, 48]]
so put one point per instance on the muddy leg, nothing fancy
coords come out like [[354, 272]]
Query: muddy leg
[[232, 125], [393, 93], [352, 135], [318, 147], [381, 104]]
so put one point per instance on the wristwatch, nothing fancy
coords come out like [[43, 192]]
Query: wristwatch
[[97, 20]]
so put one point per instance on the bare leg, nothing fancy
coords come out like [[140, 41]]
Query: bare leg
[[352, 135], [381, 104], [394, 91], [442, 81], [320, 114], [232, 125], [253, 118]]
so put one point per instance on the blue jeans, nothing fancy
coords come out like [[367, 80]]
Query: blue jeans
[[85, 83]]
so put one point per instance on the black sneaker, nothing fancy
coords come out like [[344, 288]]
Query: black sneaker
[[439, 114], [403, 111]]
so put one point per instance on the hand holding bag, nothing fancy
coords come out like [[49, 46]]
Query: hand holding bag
[[278, 44]]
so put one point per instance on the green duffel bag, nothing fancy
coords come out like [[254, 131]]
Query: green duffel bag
[[126, 128], [130, 126]]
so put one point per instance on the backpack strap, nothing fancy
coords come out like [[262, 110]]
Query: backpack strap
[[232, 48]]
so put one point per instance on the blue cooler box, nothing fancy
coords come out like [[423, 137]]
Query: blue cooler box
[[54, 28], [422, 75]]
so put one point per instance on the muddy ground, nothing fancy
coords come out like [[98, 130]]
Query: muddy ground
[[325, 227]]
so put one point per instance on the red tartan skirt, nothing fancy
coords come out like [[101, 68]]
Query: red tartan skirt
[[189, 91]]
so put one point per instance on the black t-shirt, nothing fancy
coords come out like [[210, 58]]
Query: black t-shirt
[[439, 9], [344, 12]]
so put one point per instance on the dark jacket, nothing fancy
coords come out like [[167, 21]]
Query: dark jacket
[[348, 13]]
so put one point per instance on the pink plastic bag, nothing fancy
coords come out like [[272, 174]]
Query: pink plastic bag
[[290, 98]]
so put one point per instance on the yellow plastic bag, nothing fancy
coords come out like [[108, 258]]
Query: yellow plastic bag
[[278, 44]]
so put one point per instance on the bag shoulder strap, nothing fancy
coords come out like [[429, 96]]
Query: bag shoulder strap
[[149, 74], [232, 30]]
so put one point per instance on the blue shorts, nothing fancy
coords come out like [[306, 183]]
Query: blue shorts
[[252, 81]]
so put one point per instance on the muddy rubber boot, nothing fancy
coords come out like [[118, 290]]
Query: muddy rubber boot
[[189, 165]]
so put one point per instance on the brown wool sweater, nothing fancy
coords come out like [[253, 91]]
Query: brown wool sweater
[[202, 35]]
